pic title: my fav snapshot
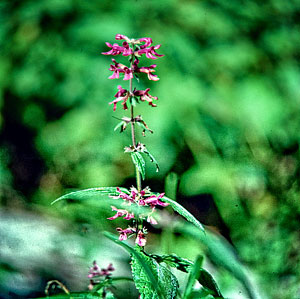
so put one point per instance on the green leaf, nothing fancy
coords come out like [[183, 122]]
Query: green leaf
[[167, 280], [91, 193], [174, 261], [207, 281], [182, 211], [152, 159], [139, 162], [151, 279], [193, 277], [120, 124], [143, 274], [197, 273]]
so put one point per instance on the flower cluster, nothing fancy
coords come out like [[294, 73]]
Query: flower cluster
[[134, 48], [143, 198], [123, 96], [96, 274]]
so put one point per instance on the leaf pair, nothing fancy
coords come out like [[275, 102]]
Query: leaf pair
[[153, 281]]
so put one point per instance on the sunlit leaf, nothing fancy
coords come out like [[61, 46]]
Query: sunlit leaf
[[91, 193]]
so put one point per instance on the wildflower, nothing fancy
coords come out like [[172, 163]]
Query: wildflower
[[151, 220], [97, 271], [123, 195], [121, 36], [121, 95], [154, 200], [120, 213], [124, 232], [141, 239], [145, 96], [115, 49], [150, 52], [148, 70], [146, 40], [120, 68]]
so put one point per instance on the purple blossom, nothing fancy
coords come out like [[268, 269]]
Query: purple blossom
[[124, 232], [141, 239], [147, 41], [120, 213], [96, 271], [123, 195], [121, 95], [151, 220], [150, 52], [145, 96], [115, 49], [120, 68], [154, 200], [148, 70], [121, 36]]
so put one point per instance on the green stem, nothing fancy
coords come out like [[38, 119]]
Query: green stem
[[138, 175]]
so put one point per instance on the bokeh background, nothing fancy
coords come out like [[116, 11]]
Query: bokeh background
[[226, 135]]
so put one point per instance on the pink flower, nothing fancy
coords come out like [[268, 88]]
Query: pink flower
[[123, 195], [121, 95], [145, 96], [120, 68], [147, 41], [150, 52], [124, 232], [121, 36], [141, 239], [120, 213], [148, 70], [151, 220], [154, 200], [96, 271], [126, 49], [115, 49]]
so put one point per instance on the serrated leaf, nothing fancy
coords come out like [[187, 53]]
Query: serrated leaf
[[152, 159], [139, 162], [144, 273], [168, 281], [91, 193], [174, 261], [182, 211], [165, 277]]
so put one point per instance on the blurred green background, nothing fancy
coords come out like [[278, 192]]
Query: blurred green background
[[227, 124]]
